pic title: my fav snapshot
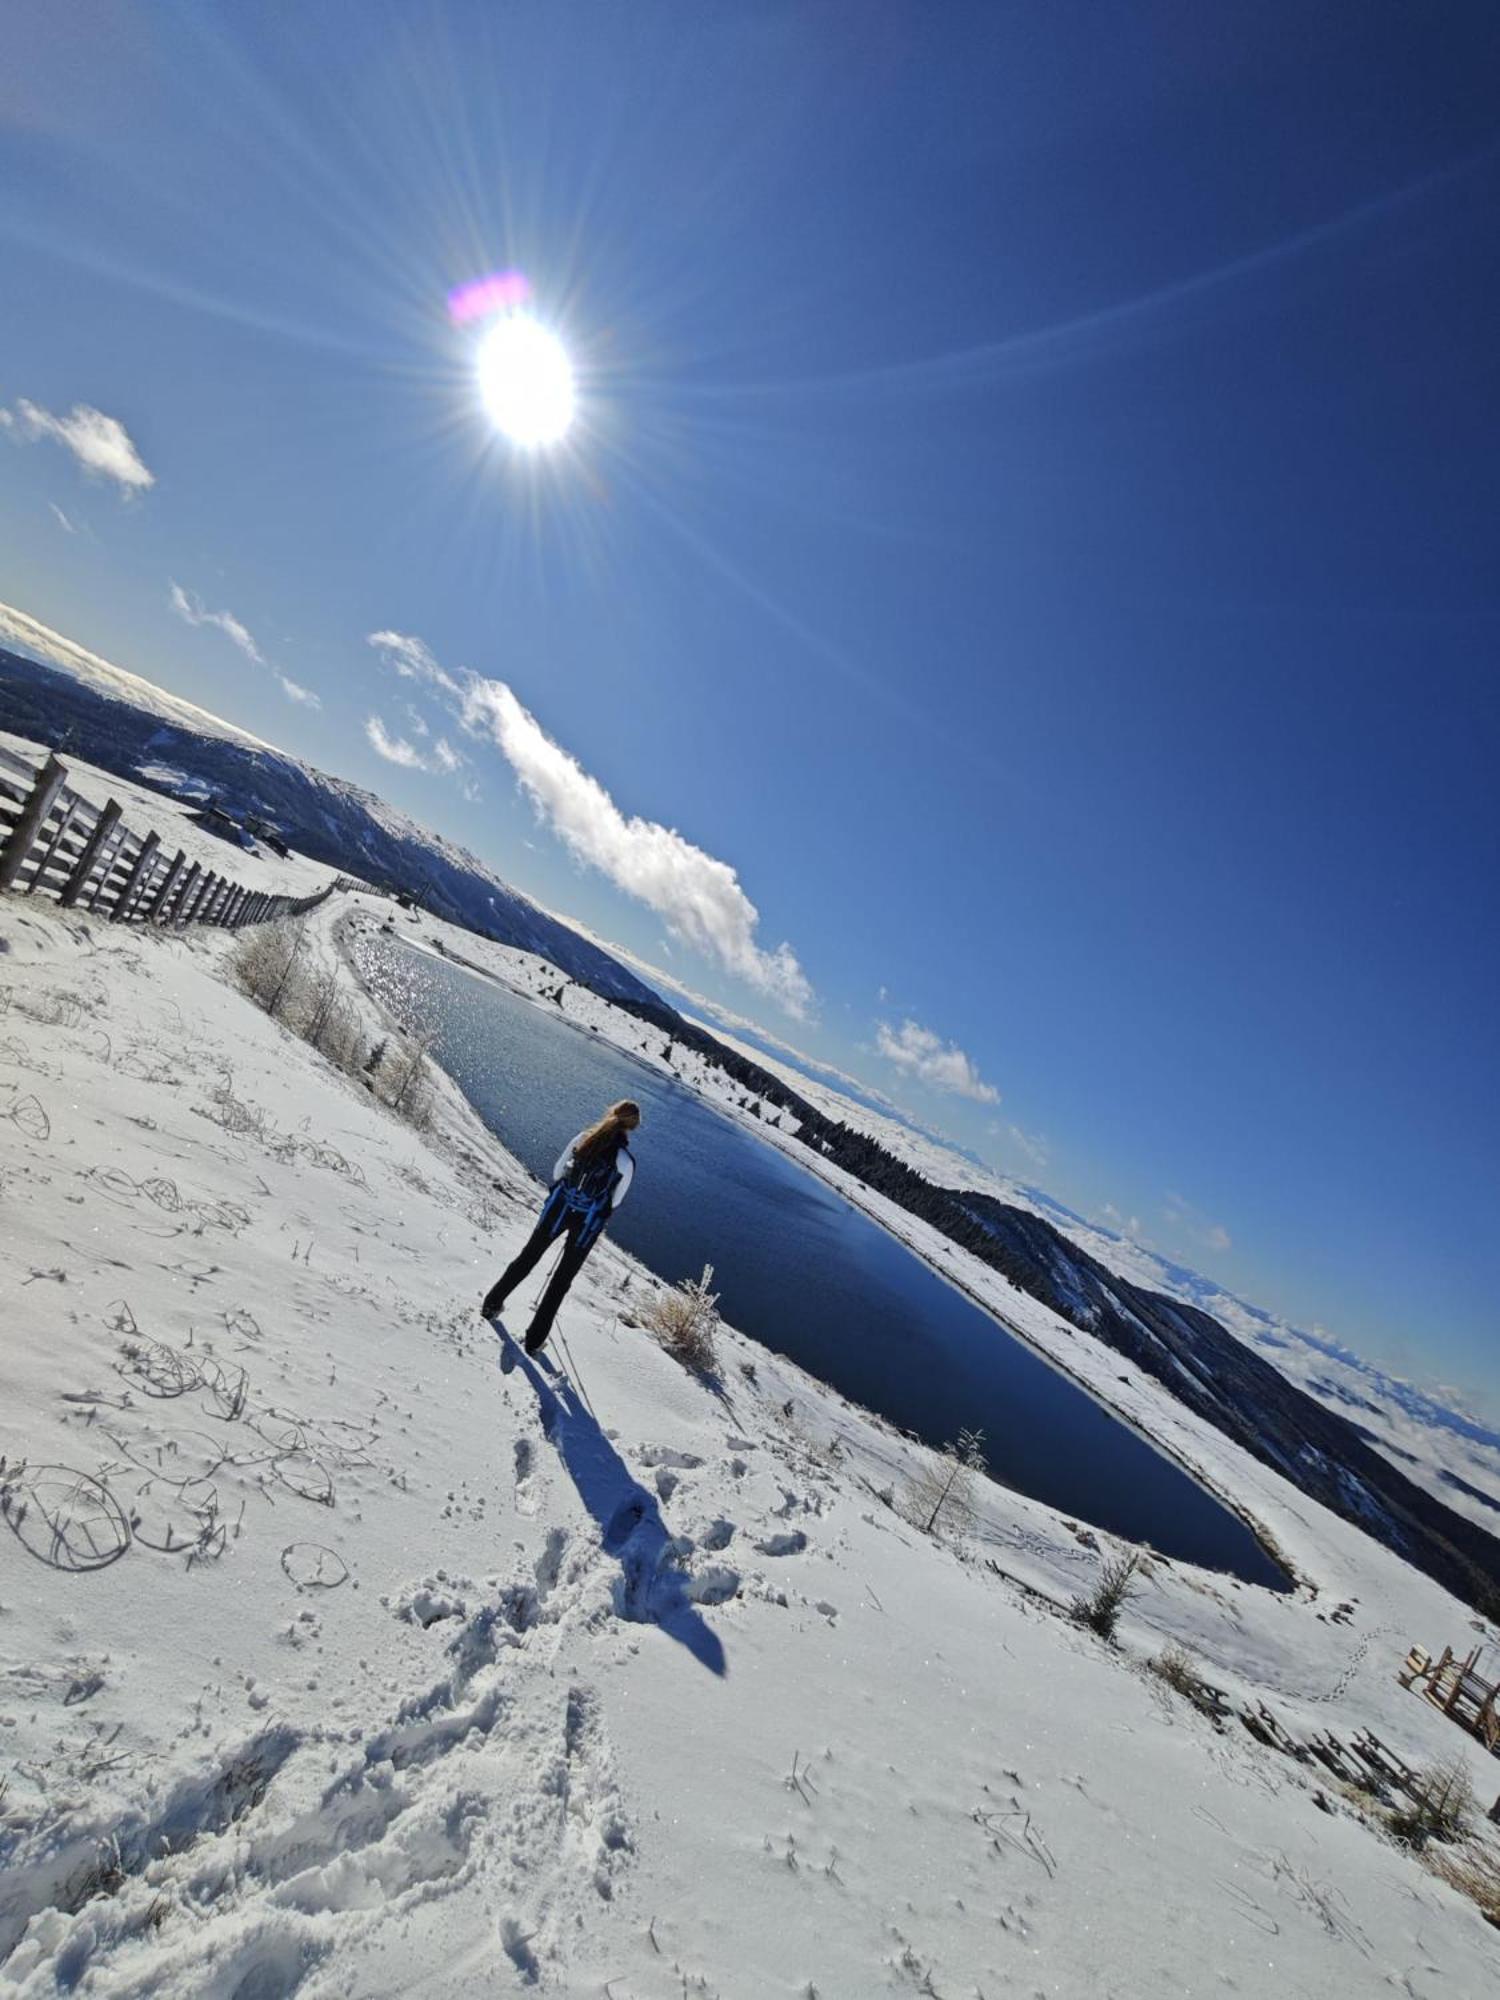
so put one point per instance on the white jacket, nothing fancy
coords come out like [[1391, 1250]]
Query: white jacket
[[623, 1162]]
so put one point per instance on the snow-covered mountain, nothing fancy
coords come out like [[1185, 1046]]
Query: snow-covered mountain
[[76, 701]]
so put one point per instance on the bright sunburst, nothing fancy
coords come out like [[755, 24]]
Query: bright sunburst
[[526, 380]]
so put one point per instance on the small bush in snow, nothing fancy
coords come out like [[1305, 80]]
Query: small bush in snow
[[1101, 1609], [686, 1322], [266, 964], [409, 1076], [1441, 1809], [941, 1497], [1175, 1665]]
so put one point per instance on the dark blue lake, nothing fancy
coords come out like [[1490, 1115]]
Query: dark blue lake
[[801, 1271]]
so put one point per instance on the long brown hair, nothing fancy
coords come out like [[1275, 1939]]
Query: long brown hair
[[604, 1139]]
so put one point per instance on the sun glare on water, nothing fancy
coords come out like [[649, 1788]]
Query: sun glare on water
[[526, 380]]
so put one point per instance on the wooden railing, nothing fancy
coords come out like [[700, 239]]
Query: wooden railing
[[54, 842]]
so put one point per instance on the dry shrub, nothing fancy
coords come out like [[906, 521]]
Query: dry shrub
[[941, 1496], [265, 963], [1175, 1665], [1442, 1807], [1475, 1873], [686, 1322], [272, 964], [1101, 1609], [400, 1075]]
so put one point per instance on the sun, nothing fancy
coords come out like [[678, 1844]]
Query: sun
[[526, 380]]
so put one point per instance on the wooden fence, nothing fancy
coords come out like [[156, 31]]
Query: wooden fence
[[55, 842], [1458, 1689]]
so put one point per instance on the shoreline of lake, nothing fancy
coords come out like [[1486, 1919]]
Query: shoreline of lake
[[901, 1230]]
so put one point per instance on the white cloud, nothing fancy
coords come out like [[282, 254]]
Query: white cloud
[[445, 757], [928, 1057], [412, 660], [698, 896], [394, 749], [101, 444], [67, 526], [191, 609]]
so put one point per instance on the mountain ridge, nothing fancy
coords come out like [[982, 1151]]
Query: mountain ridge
[[119, 721]]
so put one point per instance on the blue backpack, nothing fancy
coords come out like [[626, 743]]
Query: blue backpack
[[586, 1191]]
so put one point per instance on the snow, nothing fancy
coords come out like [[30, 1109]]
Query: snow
[[419, 1676]]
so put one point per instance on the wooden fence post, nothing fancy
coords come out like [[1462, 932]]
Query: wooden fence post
[[33, 818], [159, 900], [132, 881], [184, 894], [206, 886], [59, 834], [109, 854], [107, 822]]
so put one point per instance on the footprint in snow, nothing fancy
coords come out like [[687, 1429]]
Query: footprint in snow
[[665, 1454], [525, 1467], [791, 1543], [714, 1585]]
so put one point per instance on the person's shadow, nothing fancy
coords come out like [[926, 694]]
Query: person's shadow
[[651, 1588]]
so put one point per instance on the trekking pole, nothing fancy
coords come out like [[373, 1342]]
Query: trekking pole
[[536, 1297], [577, 1378]]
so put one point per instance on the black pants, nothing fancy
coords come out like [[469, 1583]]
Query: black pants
[[531, 1254]]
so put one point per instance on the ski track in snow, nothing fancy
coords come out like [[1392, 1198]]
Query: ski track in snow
[[337, 1659]]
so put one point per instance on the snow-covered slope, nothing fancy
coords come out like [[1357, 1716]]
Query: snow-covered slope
[[333, 1660]]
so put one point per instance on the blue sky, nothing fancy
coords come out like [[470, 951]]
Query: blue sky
[[1032, 532]]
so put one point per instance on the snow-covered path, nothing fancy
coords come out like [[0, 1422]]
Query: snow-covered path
[[336, 1660]]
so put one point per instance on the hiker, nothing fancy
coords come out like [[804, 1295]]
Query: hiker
[[588, 1185]]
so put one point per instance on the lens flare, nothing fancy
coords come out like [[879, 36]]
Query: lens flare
[[501, 291], [526, 380]]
